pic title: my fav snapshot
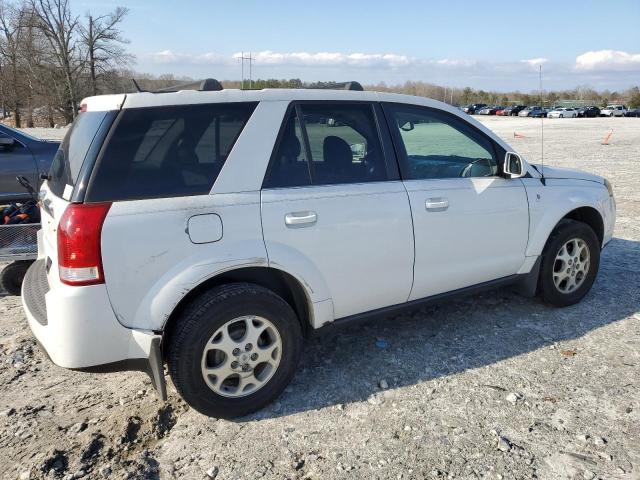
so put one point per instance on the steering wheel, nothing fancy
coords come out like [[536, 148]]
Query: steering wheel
[[466, 171]]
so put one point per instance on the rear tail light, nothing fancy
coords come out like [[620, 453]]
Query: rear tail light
[[79, 232]]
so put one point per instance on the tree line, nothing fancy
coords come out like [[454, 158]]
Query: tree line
[[467, 95]]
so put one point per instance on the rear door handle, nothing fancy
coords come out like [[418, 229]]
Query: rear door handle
[[438, 204], [295, 219]]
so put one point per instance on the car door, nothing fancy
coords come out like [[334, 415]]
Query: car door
[[470, 225], [334, 210], [15, 159]]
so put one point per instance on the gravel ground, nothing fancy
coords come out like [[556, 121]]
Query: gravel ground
[[492, 386]]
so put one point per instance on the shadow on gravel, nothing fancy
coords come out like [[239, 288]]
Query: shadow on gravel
[[347, 365]]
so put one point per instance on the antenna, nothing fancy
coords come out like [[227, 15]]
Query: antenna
[[541, 133], [135, 84]]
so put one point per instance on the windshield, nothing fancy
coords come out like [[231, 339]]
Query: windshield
[[69, 158]]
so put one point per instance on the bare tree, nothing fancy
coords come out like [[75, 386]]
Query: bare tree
[[103, 41], [59, 26], [10, 39]]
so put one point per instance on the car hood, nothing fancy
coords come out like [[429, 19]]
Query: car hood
[[572, 173]]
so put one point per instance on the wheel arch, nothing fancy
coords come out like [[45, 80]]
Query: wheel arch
[[278, 281], [591, 217], [587, 211]]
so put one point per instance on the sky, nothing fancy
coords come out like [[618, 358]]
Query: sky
[[488, 44]]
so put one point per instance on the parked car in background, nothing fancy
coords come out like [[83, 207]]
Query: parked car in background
[[489, 110], [213, 230], [562, 112], [525, 112], [22, 154], [514, 110], [613, 111], [590, 111], [635, 112], [538, 113], [473, 108], [502, 112], [533, 111]]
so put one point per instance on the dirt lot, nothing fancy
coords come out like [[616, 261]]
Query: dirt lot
[[493, 386]]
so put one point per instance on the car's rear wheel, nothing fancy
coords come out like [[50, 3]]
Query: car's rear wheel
[[234, 349], [570, 262]]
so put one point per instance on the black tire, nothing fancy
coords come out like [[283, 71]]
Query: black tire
[[12, 276], [566, 230], [200, 320]]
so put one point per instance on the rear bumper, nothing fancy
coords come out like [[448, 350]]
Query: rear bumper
[[76, 326]]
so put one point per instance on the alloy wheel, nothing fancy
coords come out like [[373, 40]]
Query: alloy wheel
[[241, 356], [571, 265]]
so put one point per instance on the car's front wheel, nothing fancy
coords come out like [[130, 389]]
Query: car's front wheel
[[234, 349], [570, 262]]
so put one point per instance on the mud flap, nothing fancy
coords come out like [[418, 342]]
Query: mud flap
[[527, 286], [155, 369]]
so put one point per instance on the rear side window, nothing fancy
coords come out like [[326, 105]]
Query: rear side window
[[69, 158], [328, 143], [173, 151], [289, 166]]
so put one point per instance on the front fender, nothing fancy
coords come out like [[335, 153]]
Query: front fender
[[551, 203]]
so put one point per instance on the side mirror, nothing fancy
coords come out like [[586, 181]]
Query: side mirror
[[513, 165], [6, 142], [407, 126]]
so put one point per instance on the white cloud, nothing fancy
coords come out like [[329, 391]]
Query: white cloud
[[397, 68], [268, 57], [448, 62], [168, 57], [608, 60], [534, 62]]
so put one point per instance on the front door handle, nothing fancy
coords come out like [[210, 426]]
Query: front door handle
[[295, 219], [438, 204]]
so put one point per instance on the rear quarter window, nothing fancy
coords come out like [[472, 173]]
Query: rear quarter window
[[161, 152], [69, 158]]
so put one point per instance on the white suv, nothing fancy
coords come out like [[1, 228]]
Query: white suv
[[214, 230], [613, 111]]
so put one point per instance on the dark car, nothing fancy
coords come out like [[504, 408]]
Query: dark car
[[22, 154], [591, 111], [538, 113], [473, 108], [634, 112], [514, 110]]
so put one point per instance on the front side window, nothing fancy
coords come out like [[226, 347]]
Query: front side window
[[328, 143], [167, 151], [439, 145]]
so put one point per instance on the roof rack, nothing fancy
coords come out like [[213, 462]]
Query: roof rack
[[341, 86], [206, 85]]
